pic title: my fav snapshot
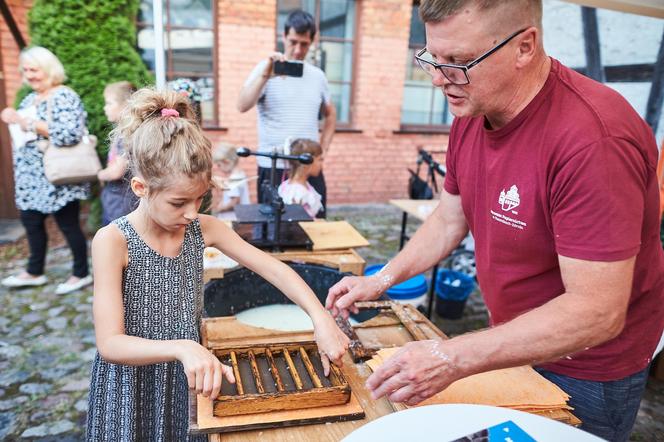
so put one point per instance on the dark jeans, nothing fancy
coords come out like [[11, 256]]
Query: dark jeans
[[67, 219], [317, 182], [607, 409]]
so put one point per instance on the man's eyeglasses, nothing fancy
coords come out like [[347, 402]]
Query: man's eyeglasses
[[457, 73]]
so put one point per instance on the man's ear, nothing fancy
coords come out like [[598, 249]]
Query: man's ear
[[139, 187], [528, 46]]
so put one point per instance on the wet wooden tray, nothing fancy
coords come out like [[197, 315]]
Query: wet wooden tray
[[278, 377]]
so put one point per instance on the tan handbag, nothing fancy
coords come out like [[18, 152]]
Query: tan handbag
[[78, 163]]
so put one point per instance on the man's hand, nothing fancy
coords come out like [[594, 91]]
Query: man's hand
[[415, 373], [342, 296], [275, 56]]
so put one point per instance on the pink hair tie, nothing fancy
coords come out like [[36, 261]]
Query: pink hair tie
[[168, 112]]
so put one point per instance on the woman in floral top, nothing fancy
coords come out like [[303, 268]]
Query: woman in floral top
[[36, 197]]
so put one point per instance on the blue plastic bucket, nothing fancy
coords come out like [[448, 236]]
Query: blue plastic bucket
[[412, 291], [452, 291]]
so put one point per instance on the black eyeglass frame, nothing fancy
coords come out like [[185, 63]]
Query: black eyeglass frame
[[463, 67]]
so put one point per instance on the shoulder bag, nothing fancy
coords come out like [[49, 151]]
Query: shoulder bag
[[77, 163]]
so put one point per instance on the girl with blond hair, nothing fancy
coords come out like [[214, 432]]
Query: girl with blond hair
[[148, 269]]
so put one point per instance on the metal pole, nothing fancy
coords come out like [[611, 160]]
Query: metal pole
[[159, 59]]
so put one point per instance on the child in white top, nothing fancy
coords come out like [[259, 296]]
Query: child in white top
[[296, 189], [232, 183], [148, 271]]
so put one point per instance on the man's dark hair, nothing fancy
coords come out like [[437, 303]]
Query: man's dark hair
[[301, 22]]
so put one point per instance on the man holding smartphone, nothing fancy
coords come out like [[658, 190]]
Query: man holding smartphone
[[290, 95]]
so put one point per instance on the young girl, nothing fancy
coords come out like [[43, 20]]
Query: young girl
[[117, 199], [232, 181], [148, 282], [296, 189]]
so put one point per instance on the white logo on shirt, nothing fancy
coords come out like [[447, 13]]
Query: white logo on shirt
[[510, 199]]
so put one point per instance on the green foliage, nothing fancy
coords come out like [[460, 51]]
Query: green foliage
[[96, 42]]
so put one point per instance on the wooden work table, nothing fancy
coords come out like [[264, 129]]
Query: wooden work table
[[334, 246], [390, 328], [381, 330]]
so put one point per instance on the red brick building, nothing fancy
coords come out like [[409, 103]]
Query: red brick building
[[364, 46]]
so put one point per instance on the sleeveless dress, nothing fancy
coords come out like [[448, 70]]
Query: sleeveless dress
[[162, 300]]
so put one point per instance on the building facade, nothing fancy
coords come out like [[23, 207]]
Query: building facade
[[365, 47]]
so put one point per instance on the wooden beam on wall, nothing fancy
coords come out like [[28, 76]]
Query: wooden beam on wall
[[656, 97], [11, 24], [651, 8], [594, 67]]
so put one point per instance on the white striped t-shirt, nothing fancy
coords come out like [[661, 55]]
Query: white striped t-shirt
[[288, 107]]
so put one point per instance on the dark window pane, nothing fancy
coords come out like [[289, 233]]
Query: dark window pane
[[145, 12], [337, 18], [190, 13], [340, 94], [417, 35], [190, 50], [336, 59]]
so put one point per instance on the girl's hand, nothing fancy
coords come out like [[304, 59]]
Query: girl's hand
[[332, 342], [204, 371]]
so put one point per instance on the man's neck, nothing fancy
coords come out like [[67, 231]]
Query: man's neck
[[523, 92]]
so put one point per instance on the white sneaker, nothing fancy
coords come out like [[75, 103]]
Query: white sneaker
[[17, 281], [65, 288]]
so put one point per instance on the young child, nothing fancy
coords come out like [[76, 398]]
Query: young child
[[117, 199], [231, 180], [296, 189], [149, 280]]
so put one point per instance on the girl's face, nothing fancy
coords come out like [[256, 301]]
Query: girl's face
[[112, 107], [174, 207], [316, 167], [223, 167], [35, 77]]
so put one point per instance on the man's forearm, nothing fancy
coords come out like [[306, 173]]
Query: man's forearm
[[434, 240], [329, 126], [563, 326], [250, 92]]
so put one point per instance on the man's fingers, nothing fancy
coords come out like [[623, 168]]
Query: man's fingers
[[384, 372], [200, 378], [404, 394], [388, 386]]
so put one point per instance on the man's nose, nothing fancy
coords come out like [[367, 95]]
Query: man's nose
[[438, 79]]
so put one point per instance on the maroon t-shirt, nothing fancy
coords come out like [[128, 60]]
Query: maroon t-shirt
[[573, 175]]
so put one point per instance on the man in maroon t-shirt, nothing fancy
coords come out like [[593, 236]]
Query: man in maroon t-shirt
[[554, 174]]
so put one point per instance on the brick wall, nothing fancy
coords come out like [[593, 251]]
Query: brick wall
[[10, 51], [367, 165]]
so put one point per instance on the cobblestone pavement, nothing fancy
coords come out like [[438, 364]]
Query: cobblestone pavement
[[47, 342]]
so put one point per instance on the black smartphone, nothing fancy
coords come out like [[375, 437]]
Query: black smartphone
[[292, 69]]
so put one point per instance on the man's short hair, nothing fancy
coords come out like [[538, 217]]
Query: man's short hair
[[432, 11], [301, 21]]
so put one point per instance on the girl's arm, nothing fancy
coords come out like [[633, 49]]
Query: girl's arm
[[115, 170], [109, 258], [332, 343], [234, 201]]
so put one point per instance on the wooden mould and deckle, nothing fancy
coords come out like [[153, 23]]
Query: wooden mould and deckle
[[278, 377], [279, 381]]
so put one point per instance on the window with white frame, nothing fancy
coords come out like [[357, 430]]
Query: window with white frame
[[423, 104], [189, 46], [333, 48]]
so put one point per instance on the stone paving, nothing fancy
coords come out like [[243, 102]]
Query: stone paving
[[47, 343]]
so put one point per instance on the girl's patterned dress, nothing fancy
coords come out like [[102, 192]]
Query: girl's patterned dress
[[162, 300]]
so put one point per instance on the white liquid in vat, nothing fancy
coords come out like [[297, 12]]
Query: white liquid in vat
[[284, 317]]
